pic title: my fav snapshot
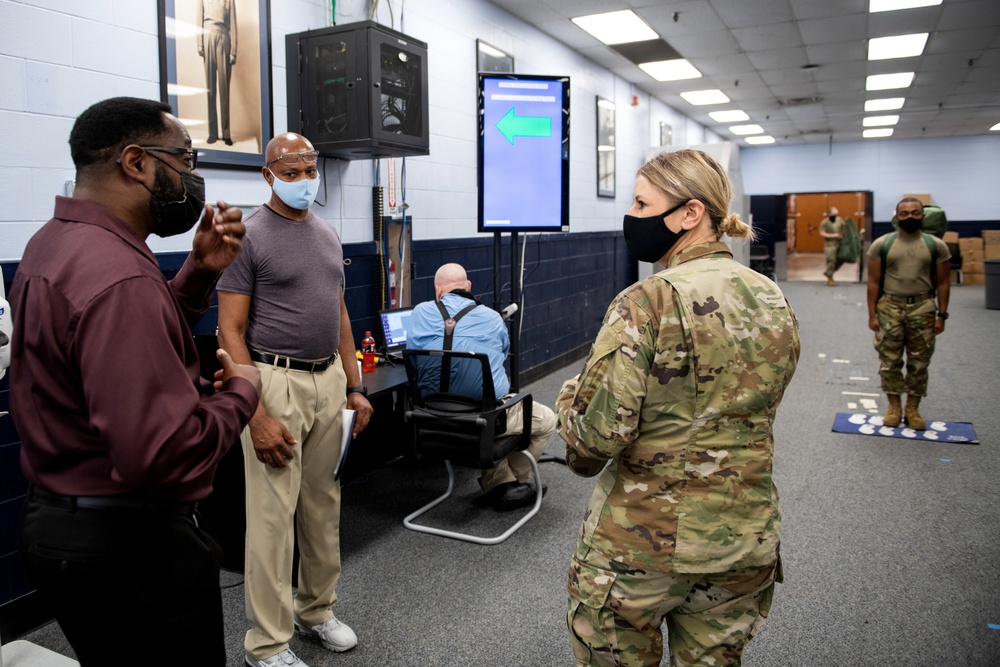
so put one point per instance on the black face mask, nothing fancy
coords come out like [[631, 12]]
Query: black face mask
[[648, 239], [176, 213], [833, 218], [910, 225]]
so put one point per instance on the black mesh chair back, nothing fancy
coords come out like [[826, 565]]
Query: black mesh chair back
[[468, 430]]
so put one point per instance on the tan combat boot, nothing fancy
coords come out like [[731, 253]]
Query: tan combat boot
[[894, 414], [913, 418]]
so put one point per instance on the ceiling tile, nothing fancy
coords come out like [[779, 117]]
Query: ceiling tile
[[764, 44]]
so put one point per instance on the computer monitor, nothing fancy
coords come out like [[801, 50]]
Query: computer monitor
[[394, 323]]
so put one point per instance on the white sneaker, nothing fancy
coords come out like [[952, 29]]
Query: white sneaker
[[283, 659], [334, 635]]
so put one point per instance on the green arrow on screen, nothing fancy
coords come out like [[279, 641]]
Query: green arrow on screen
[[511, 126]]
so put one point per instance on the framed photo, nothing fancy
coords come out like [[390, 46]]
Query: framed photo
[[492, 59], [215, 71], [605, 148]]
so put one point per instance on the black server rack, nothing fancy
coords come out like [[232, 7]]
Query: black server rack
[[358, 91]]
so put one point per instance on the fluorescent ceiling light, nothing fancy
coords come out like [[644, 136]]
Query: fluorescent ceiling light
[[888, 81], [731, 116], [746, 129], [702, 97], [900, 46], [670, 70], [887, 104], [875, 121], [892, 5], [616, 27], [762, 139], [995, 128], [875, 134], [606, 104]]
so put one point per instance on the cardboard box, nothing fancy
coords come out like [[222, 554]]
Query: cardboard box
[[923, 199], [950, 237], [970, 256], [972, 266], [970, 243], [991, 251], [991, 235], [973, 278]]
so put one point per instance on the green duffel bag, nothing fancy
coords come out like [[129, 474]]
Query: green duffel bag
[[935, 221], [850, 246]]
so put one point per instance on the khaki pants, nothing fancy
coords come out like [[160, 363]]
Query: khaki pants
[[309, 405], [514, 467]]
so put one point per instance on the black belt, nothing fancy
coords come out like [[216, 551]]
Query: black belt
[[119, 502], [919, 298], [292, 362]]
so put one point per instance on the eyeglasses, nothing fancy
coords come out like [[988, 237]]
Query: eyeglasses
[[291, 159], [191, 153]]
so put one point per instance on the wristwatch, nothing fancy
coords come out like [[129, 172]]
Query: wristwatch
[[943, 316], [360, 389]]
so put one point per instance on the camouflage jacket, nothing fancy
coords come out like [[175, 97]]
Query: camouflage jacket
[[680, 393]]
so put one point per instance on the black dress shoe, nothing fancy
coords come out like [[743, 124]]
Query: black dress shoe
[[489, 498], [229, 142], [211, 139], [518, 496]]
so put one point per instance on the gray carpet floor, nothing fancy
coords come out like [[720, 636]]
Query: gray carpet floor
[[890, 547]]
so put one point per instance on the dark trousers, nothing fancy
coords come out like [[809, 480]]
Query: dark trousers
[[127, 586], [217, 74]]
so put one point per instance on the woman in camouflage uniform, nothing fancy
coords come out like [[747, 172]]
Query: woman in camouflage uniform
[[674, 409]]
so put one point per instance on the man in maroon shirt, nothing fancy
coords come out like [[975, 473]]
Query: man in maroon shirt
[[120, 434]]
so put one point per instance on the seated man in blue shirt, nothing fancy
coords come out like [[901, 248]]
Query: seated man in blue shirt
[[482, 329]]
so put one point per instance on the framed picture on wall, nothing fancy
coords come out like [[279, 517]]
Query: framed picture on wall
[[215, 71], [605, 148], [492, 59]]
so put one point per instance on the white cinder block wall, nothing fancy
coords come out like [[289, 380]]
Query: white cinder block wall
[[58, 57], [960, 173]]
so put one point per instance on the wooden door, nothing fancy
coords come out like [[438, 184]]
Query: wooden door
[[810, 209], [807, 210]]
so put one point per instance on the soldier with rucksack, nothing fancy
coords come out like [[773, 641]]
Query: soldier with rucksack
[[908, 290]]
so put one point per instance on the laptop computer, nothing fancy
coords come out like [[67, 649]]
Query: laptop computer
[[394, 324]]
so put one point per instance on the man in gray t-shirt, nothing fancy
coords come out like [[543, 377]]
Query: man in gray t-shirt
[[282, 307]]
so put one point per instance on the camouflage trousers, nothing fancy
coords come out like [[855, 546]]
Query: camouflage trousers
[[905, 329], [830, 255], [616, 613]]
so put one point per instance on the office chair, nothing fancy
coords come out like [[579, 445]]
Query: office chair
[[761, 261], [462, 430], [956, 260]]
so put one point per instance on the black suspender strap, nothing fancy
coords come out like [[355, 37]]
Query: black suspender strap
[[449, 330]]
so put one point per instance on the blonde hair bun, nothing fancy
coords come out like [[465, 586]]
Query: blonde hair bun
[[735, 227]]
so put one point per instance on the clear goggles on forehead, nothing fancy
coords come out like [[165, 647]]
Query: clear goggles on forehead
[[291, 159]]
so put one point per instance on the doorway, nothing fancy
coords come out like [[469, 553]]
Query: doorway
[[806, 210]]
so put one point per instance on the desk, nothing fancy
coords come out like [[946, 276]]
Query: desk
[[385, 439]]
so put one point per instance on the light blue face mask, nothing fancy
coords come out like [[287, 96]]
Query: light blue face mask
[[297, 194]]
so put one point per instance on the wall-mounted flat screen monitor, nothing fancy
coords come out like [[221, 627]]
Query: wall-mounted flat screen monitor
[[523, 153]]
